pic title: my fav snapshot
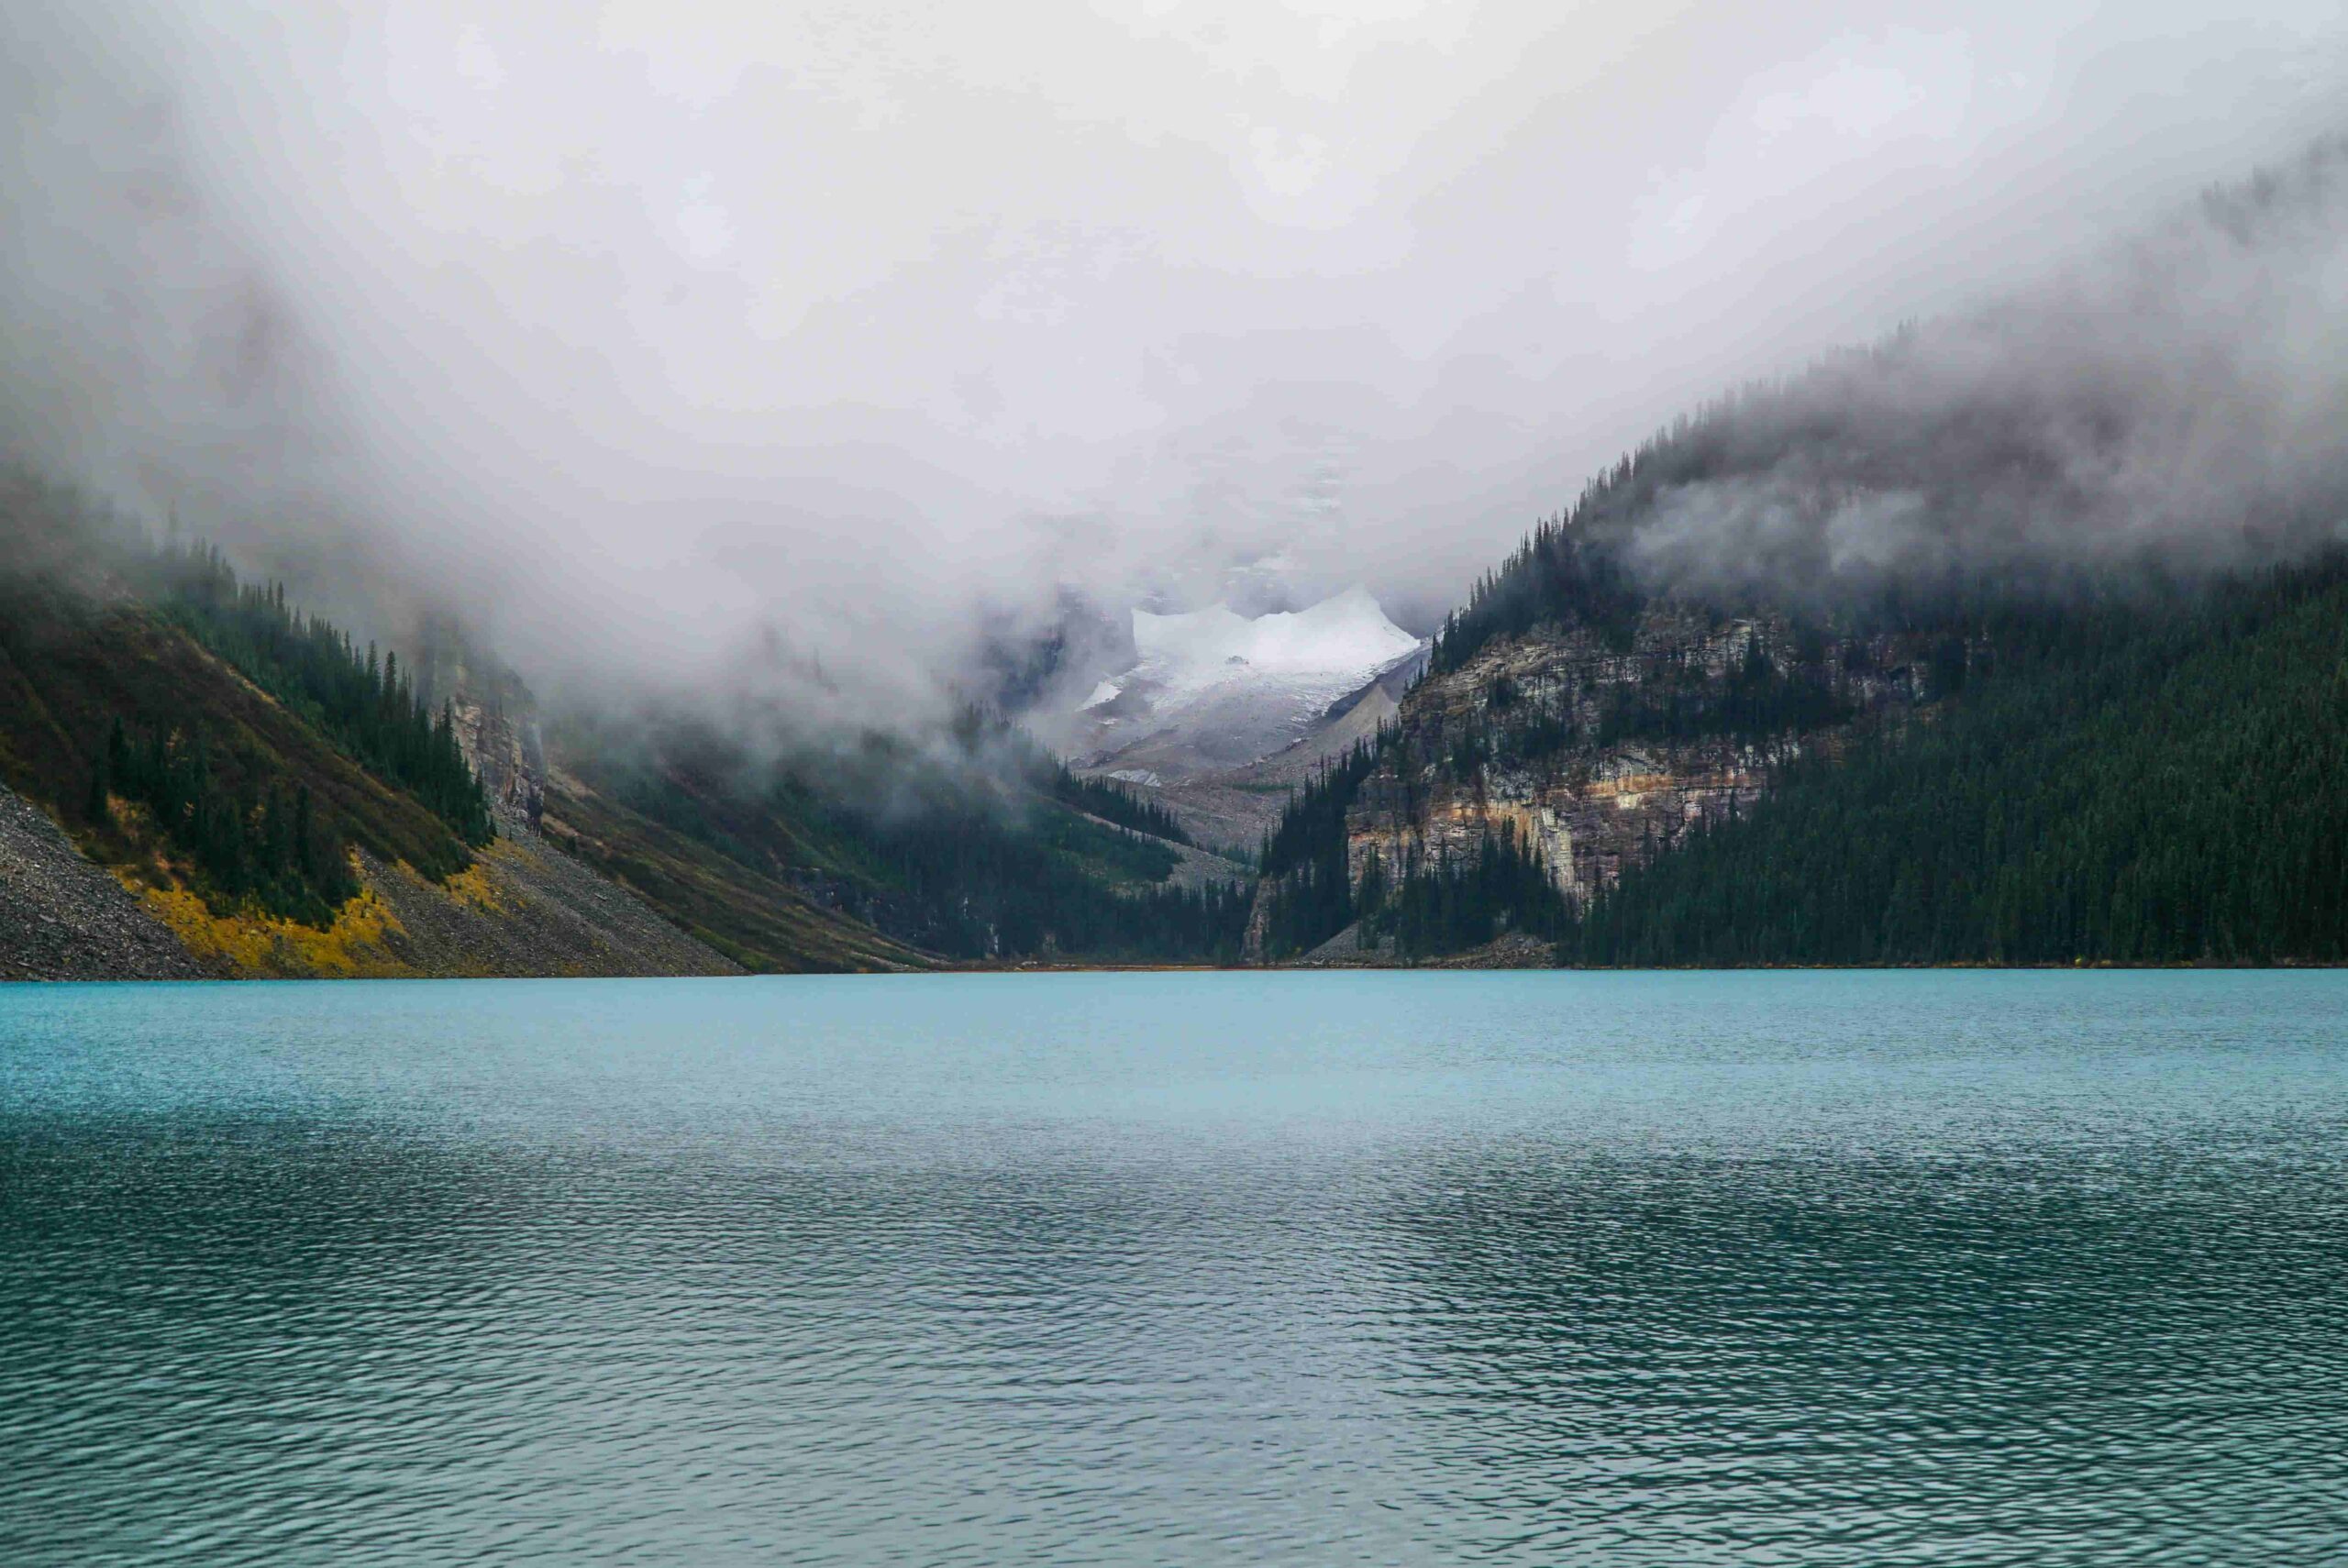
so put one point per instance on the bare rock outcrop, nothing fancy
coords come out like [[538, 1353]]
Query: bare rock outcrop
[[1569, 742]]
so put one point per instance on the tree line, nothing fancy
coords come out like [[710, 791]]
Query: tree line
[[967, 849], [364, 702]]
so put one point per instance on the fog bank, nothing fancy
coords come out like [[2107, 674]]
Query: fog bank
[[714, 342]]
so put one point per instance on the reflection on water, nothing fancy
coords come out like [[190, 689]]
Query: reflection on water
[[1547, 1269]]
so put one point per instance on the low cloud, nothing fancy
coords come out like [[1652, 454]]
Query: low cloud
[[2175, 407], [819, 353]]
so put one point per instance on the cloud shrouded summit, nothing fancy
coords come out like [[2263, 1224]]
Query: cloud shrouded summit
[[682, 338], [2176, 406]]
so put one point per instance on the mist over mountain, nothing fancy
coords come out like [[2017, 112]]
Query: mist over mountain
[[813, 355], [2011, 639], [2177, 408], [1213, 689], [675, 448]]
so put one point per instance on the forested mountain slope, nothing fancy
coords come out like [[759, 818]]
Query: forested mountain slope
[[2122, 787], [290, 803], [977, 847], [1513, 787], [2015, 639], [2133, 780], [277, 800]]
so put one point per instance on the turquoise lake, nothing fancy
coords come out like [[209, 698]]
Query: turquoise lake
[[1869, 1269]]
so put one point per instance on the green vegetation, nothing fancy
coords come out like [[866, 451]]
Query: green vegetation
[[1560, 571], [1454, 905], [91, 693], [982, 859], [1759, 699], [968, 853], [1313, 828], [369, 709], [1427, 906], [2134, 777], [265, 849], [1111, 802], [971, 884], [187, 763], [1305, 859], [2125, 783], [760, 915]]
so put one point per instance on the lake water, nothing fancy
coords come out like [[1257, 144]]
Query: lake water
[[2035, 1269]]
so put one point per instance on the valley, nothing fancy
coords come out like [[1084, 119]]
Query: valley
[[1895, 661]]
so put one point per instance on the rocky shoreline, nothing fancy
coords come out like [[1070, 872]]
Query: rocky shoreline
[[526, 910], [62, 918]]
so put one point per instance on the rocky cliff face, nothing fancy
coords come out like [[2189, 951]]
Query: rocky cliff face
[[496, 722], [1601, 756], [507, 756]]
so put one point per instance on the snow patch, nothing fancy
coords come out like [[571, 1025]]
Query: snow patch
[[1336, 645], [1213, 689]]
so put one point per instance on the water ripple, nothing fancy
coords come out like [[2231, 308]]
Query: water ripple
[[1618, 1270]]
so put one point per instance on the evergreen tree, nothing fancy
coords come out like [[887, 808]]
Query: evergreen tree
[[2125, 783], [368, 706], [241, 849]]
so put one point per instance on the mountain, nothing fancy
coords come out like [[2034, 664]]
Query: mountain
[[972, 845], [2013, 640], [198, 777], [2113, 787], [191, 769], [1212, 689], [1217, 716], [1234, 807]]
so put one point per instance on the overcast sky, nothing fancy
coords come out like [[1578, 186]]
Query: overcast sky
[[650, 324]]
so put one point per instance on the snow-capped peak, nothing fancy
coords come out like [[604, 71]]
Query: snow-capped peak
[[1341, 642]]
